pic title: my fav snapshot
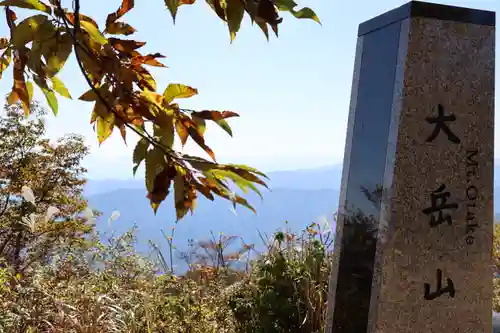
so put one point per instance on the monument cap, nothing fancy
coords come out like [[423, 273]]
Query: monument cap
[[428, 10]]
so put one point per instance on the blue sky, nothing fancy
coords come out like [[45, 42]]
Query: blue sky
[[292, 92]]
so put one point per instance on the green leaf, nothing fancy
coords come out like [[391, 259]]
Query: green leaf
[[234, 12], [105, 126], [165, 134], [242, 183], [304, 13], [264, 28], [175, 90], [50, 96], [29, 87], [140, 151], [93, 32], [27, 4], [155, 163], [25, 31], [59, 87], [172, 6], [179, 195], [57, 55]]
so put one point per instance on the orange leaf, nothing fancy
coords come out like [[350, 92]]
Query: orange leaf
[[19, 89], [182, 132], [149, 59]]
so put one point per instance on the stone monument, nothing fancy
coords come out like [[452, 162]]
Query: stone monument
[[414, 234]]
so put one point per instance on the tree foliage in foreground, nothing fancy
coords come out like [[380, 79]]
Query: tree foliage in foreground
[[41, 189], [125, 94]]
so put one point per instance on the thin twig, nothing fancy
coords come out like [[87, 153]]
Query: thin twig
[[76, 44]]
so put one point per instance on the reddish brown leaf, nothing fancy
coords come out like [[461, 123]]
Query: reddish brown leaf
[[119, 28], [11, 17], [144, 79], [125, 7], [193, 132], [205, 191], [124, 45], [215, 115], [161, 186]]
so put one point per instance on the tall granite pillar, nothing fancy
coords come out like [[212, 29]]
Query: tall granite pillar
[[414, 234]]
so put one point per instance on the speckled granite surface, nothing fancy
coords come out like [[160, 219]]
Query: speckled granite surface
[[449, 64], [439, 146]]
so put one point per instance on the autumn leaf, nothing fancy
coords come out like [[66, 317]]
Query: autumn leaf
[[119, 28], [57, 54], [218, 117], [125, 46], [304, 13], [19, 88], [175, 90], [89, 96], [105, 126], [59, 87], [50, 96], [149, 59], [140, 151], [27, 4], [4, 42], [93, 32], [165, 134], [5, 61], [241, 182], [234, 12], [83, 18], [25, 31], [161, 187], [125, 7], [200, 124], [182, 132], [173, 6], [155, 163]]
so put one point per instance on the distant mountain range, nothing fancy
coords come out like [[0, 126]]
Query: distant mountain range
[[299, 197]]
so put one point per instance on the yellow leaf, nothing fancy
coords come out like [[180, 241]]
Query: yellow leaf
[[28, 4], [175, 90], [5, 61], [93, 32], [25, 31], [29, 86], [59, 87], [105, 126]]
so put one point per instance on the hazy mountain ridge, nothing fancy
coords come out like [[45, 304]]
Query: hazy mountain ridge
[[299, 197]]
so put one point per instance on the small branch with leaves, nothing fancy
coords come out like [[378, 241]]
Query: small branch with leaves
[[125, 94]]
